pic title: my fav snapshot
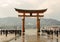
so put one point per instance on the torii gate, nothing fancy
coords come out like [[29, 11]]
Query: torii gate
[[30, 15]]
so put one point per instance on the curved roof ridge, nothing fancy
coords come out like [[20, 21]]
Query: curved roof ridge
[[30, 11]]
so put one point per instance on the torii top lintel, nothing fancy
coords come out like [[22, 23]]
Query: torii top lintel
[[30, 11]]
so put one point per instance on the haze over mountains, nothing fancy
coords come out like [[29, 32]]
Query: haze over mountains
[[30, 22]]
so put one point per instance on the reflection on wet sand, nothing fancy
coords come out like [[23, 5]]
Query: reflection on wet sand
[[33, 36], [56, 40], [53, 39], [38, 36], [23, 37]]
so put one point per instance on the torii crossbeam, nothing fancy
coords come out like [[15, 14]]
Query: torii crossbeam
[[30, 15]]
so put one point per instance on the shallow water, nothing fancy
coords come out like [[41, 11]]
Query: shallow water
[[31, 35]]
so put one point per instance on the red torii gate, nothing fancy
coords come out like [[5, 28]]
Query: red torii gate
[[30, 15]]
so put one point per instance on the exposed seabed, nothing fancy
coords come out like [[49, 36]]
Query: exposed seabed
[[30, 35]]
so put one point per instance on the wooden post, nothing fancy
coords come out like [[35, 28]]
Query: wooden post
[[6, 32], [38, 23], [23, 23], [57, 33], [1, 32]]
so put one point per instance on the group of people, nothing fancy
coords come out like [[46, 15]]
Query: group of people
[[6, 32], [50, 32]]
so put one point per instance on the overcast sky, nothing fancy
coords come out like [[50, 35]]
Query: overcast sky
[[7, 7]]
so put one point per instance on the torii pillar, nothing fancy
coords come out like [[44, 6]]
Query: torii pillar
[[38, 23], [23, 23], [30, 15]]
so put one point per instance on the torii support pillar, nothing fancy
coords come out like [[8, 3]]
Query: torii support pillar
[[38, 25], [23, 23]]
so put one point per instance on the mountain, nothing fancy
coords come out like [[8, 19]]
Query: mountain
[[50, 22], [29, 22]]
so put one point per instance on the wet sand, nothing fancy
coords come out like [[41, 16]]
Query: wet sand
[[3, 38], [31, 35], [8, 38]]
